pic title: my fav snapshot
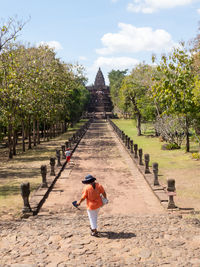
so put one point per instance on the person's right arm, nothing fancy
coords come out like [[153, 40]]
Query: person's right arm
[[80, 201], [104, 194], [83, 197]]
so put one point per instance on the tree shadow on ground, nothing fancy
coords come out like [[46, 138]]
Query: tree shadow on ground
[[18, 174], [115, 235], [32, 159], [9, 190]]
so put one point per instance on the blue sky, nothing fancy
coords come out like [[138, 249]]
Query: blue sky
[[111, 34]]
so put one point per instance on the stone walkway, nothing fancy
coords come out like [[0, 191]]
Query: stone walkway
[[101, 154], [64, 240], [134, 228]]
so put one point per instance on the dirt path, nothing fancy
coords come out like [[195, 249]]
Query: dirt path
[[101, 154], [134, 229]]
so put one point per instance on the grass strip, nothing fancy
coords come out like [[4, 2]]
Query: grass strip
[[175, 164]]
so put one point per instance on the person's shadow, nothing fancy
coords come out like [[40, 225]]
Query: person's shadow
[[114, 235]]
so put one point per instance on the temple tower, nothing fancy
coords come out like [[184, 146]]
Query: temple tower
[[99, 80], [100, 100]]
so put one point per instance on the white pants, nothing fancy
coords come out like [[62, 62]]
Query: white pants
[[93, 214]]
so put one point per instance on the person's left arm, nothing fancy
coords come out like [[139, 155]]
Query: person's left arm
[[102, 191]]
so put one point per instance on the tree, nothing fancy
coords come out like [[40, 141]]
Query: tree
[[115, 78], [37, 89], [9, 30], [173, 90], [135, 94]]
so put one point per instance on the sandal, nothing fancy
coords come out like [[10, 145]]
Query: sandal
[[95, 234]]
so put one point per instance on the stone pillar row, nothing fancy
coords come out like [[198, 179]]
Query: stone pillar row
[[25, 187], [138, 153]]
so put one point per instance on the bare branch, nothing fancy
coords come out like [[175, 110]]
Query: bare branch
[[9, 30]]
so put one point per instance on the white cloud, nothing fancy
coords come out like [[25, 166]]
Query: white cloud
[[109, 63], [131, 39], [198, 11], [52, 44], [151, 6], [115, 62], [114, 1]]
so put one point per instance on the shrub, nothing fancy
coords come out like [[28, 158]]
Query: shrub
[[171, 129], [195, 155], [170, 146]]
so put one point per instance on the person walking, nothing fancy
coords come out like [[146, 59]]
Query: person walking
[[68, 154], [92, 193]]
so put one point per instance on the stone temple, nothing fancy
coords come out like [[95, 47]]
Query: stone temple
[[100, 100]]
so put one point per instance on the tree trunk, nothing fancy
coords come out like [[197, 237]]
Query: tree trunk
[[29, 135], [23, 138], [14, 142], [10, 141], [34, 133], [38, 132], [187, 135], [138, 116], [65, 126], [48, 134], [54, 130], [17, 138], [26, 133], [44, 131], [50, 131]]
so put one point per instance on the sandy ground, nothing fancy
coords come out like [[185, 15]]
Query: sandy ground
[[101, 154]]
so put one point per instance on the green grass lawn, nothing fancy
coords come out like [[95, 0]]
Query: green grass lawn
[[175, 164]]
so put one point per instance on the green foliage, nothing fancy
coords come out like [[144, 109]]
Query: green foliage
[[173, 89], [35, 85], [135, 95], [172, 146], [196, 156], [135, 92], [115, 78]]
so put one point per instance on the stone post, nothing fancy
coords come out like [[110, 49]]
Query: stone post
[[43, 169], [140, 156], [74, 138], [63, 151], [146, 159], [120, 134], [123, 136], [135, 151], [126, 140], [52, 163], [171, 193], [25, 192], [131, 142], [128, 143], [58, 157], [66, 144], [155, 172], [70, 140], [69, 143]]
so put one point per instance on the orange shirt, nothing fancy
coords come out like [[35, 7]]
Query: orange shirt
[[93, 196]]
